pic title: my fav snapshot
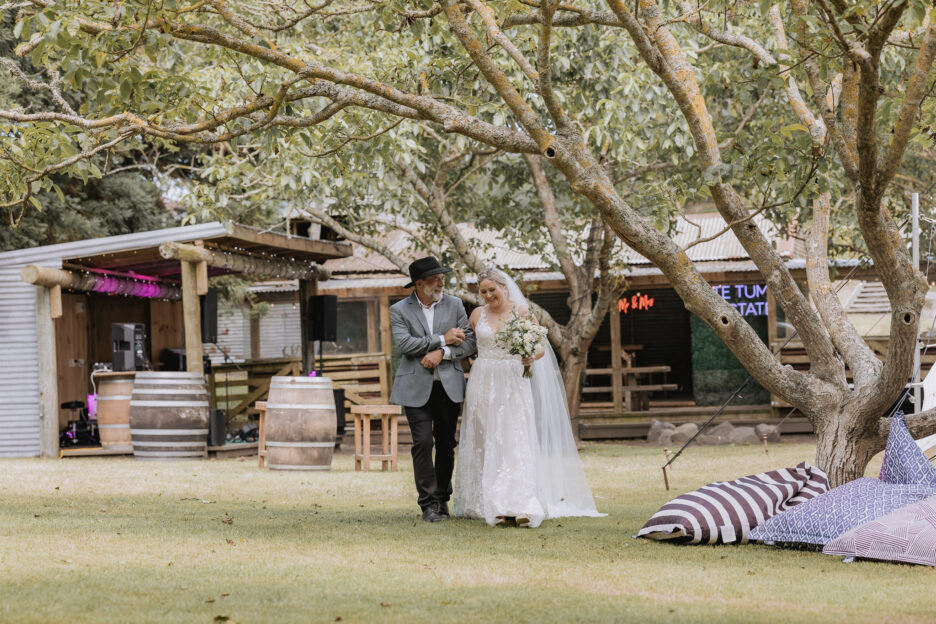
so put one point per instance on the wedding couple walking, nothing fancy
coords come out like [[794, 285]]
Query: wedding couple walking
[[517, 461]]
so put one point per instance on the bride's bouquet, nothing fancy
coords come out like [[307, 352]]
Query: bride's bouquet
[[522, 336]]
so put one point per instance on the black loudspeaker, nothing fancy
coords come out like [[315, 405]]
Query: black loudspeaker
[[209, 316], [128, 347], [217, 430], [323, 317]]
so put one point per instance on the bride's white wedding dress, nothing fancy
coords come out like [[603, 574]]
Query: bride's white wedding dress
[[497, 450], [516, 454]]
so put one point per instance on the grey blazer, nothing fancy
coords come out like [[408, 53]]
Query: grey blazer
[[412, 383]]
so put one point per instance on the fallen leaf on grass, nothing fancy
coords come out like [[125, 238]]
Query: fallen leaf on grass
[[66, 560], [230, 542], [338, 619], [224, 618], [210, 600], [225, 595], [386, 604], [227, 520]]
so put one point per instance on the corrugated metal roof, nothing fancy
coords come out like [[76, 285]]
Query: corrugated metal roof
[[122, 242], [490, 245]]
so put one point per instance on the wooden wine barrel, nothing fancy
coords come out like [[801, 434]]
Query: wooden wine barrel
[[300, 423], [113, 409], [169, 416]]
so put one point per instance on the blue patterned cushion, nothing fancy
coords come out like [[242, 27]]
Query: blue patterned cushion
[[824, 518], [907, 535], [904, 462]]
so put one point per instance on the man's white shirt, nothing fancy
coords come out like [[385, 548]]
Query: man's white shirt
[[429, 313]]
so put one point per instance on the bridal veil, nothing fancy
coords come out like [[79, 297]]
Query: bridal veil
[[561, 484]]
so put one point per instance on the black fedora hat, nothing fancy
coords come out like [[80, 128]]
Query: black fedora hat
[[424, 267]]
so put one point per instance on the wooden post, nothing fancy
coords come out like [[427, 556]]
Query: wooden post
[[386, 339], [55, 301], [191, 315], [305, 345], [48, 376], [386, 344], [255, 338], [201, 272], [373, 326], [617, 394]]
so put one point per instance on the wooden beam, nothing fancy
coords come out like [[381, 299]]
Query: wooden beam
[[48, 376], [191, 316], [327, 249], [240, 263], [91, 282]]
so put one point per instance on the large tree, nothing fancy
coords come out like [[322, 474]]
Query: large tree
[[414, 180], [265, 71]]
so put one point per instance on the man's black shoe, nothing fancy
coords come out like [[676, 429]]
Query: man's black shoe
[[443, 511], [431, 514]]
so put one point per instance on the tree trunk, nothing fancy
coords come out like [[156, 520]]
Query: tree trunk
[[844, 446], [572, 368]]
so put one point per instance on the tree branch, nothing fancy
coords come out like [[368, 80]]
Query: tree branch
[[909, 109], [553, 223], [494, 31], [861, 360]]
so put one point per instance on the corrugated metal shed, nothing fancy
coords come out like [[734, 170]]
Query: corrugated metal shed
[[19, 368], [280, 332], [233, 335]]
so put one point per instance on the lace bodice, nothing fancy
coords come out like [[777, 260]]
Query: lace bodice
[[486, 343]]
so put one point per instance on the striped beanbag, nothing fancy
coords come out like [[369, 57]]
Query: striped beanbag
[[724, 512]]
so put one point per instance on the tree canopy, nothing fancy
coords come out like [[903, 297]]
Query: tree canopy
[[816, 113]]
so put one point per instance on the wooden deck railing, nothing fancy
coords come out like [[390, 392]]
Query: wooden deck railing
[[365, 377]]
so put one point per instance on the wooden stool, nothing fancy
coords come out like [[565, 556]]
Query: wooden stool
[[362, 444], [261, 433]]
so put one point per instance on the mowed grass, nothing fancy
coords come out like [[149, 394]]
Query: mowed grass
[[116, 540]]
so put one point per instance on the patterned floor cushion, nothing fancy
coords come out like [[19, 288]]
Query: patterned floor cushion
[[841, 509], [725, 511], [904, 462], [907, 535]]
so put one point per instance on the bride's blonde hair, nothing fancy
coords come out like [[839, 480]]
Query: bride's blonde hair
[[495, 275]]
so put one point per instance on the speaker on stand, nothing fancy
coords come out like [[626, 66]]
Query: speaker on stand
[[209, 316], [323, 322]]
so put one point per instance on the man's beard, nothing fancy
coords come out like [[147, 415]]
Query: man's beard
[[431, 293]]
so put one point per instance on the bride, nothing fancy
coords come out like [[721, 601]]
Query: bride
[[517, 460]]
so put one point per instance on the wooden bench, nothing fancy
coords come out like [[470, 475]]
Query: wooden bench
[[628, 390]]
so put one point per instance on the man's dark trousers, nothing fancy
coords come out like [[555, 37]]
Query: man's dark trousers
[[436, 420]]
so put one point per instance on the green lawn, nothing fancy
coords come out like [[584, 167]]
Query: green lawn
[[114, 540]]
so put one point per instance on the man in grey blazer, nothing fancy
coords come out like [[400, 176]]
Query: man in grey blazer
[[431, 330]]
